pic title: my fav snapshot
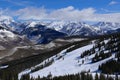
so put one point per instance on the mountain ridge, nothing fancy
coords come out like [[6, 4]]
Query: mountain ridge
[[67, 28]]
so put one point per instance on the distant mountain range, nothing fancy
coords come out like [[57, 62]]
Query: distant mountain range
[[24, 48], [44, 32]]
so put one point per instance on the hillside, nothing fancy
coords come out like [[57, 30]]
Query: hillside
[[58, 49], [99, 56]]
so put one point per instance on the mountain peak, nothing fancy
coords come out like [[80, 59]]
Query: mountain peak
[[6, 19], [108, 25]]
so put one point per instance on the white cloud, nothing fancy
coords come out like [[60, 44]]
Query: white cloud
[[113, 3], [68, 13], [31, 13]]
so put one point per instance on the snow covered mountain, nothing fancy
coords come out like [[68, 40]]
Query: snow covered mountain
[[67, 64], [108, 27], [6, 35], [83, 29], [13, 35], [35, 32], [96, 57], [5, 30], [6, 21], [74, 28], [40, 33]]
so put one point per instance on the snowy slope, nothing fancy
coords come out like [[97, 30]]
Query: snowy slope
[[71, 64]]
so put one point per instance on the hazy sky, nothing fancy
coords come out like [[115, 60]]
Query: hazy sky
[[84, 10]]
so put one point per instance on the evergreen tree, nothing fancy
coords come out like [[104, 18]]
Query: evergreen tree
[[96, 77]]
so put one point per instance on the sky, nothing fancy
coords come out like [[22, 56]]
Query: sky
[[80, 10]]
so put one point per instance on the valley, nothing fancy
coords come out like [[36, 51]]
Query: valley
[[59, 48]]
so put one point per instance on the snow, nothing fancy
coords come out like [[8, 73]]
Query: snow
[[72, 27], [51, 44], [107, 51], [107, 25], [32, 24], [6, 19], [24, 72], [57, 25], [77, 39], [2, 67], [69, 65], [71, 40], [29, 70], [106, 41], [34, 38], [96, 28], [4, 33]]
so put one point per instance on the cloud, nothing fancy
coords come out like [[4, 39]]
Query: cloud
[[69, 13], [4, 17], [31, 13], [113, 3], [18, 2]]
